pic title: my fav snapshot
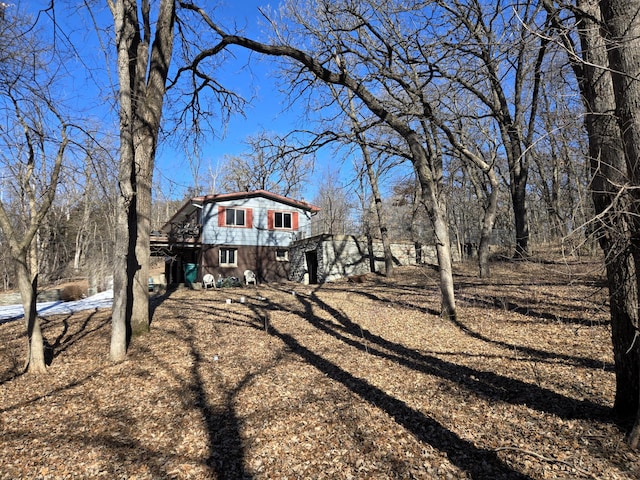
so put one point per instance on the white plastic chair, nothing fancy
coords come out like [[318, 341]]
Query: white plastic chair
[[208, 281], [250, 277]]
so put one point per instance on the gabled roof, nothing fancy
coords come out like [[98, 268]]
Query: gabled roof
[[223, 197], [198, 202]]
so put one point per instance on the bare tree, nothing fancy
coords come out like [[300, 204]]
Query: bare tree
[[277, 164], [359, 138], [475, 161], [21, 241], [321, 67], [145, 33], [90, 211], [560, 168], [381, 217], [34, 141], [335, 207], [503, 75], [622, 32], [615, 223], [143, 67]]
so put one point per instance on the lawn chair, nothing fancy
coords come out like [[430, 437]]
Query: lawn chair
[[208, 281], [250, 277]]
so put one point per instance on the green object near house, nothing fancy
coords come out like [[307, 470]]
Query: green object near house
[[190, 273]]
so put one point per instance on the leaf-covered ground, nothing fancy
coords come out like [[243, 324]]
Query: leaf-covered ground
[[338, 381]]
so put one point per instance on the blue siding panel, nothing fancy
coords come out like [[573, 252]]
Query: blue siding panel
[[259, 234]]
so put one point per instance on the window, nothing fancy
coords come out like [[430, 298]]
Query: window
[[282, 220], [279, 220], [228, 257], [282, 255], [234, 217]]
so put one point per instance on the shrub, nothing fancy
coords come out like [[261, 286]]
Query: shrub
[[71, 292]]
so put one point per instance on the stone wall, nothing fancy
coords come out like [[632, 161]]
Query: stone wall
[[14, 298], [298, 271], [344, 255]]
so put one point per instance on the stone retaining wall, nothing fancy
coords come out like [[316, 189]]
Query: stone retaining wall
[[13, 298], [344, 255]]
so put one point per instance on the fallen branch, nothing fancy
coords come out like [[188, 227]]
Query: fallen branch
[[546, 459]]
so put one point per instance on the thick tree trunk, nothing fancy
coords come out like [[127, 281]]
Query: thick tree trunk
[[150, 81], [484, 266], [608, 176], [519, 202], [35, 359], [623, 298], [142, 79], [622, 27], [124, 268], [125, 24], [438, 215], [445, 264], [140, 311], [613, 223]]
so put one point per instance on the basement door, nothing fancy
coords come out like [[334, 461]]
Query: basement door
[[312, 266]]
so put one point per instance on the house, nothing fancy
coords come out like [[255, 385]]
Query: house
[[226, 234]]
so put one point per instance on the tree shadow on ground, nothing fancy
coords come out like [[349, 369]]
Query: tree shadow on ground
[[156, 300], [62, 341], [50, 393], [380, 299], [226, 448], [495, 301], [490, 385], [65, 340], [536, 354], [479, 463]]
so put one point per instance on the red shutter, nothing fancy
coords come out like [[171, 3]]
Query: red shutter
[[294, 220], [249, 217], [221, 219], [270, 222]]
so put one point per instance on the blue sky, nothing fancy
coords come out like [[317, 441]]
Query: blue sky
[[266, 110], [89, 86]]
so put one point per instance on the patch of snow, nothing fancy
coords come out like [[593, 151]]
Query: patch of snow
[[100, 300]]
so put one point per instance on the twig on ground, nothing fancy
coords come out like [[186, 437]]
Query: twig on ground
[[546, 459], [366, 347]]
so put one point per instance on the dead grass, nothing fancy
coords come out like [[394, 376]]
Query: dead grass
[[344, 381]]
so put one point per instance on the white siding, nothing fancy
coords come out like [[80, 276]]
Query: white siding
[[259, 234]]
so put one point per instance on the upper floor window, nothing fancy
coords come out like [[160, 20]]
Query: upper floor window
[[234, 217], [278, 220], [282, 220]]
